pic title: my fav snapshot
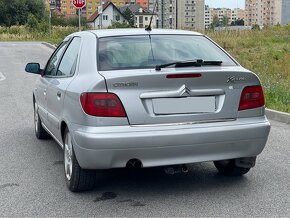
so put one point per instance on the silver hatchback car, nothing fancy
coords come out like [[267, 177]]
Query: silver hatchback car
[[131, 97]]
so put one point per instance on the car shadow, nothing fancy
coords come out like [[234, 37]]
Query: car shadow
[[201, 177]]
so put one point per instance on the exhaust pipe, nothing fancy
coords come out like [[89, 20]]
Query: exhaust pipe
[[134, 164], [184, 168]]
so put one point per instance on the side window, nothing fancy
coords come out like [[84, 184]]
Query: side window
[[51, 67], [68, 63]]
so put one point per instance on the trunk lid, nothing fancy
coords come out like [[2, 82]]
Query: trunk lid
[[149, 97]]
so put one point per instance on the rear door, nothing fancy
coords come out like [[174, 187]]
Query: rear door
[[43, 83], [58, 84]]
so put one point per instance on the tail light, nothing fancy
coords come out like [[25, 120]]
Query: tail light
[[252, 97], [102, 105]]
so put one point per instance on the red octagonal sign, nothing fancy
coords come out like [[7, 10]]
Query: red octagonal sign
[[79, 4]]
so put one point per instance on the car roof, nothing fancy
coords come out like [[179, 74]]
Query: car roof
[[139, 31]]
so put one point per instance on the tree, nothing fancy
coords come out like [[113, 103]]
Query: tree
[[215, 21], [240, 22], [256, 27], [225, 21], [14, 12], [129, 16]]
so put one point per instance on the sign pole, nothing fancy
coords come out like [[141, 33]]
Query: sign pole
[[49, 23], [79, 4], [79, 19]]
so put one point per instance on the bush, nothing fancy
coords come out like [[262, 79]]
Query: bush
[[117, 25], [32, 23], [256, 27]]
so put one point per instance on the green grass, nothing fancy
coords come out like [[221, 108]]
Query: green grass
[[266, 53], [22, 33]]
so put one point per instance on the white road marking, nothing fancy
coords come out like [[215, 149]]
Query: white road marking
[[2, 77]]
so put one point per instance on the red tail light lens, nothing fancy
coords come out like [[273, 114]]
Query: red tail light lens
[[102, 105], [252, 97]]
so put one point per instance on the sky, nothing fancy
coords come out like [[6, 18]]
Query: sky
[[225, 3]]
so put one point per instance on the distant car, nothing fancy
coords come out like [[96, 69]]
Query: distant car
[[131, 97]]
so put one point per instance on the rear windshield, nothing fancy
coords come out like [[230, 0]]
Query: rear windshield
[[144, 51]]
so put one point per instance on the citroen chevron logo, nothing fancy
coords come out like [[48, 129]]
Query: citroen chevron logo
[[185, 92]]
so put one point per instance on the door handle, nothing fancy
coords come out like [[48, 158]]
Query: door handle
[[58, 94], [44, 92]]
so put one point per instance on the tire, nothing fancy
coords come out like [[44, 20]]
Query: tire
[[229, 168], [77, 179], [40, 132]]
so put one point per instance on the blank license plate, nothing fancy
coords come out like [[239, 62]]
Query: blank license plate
[[184, 105]]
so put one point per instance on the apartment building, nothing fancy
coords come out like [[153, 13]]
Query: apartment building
[[143, 3], [237, 14], [232, 15], [190, 14], [173, 14], [285, 12], [221, 13], [52, 4], [267, 12], [207, 17]]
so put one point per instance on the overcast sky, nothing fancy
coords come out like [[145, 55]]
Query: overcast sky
[[225, 3]]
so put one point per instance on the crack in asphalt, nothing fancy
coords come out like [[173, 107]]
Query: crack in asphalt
[[8, 185]]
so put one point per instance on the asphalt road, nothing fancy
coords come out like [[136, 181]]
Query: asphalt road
[[32, 179]]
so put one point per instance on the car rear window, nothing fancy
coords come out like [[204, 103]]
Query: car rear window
[[144, 51]]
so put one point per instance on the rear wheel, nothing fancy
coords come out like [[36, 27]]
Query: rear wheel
[[77, 179], [40, 132], [229, 168]]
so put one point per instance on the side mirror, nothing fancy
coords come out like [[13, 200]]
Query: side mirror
[[33, 68]]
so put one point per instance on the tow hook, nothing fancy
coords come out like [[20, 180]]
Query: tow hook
[[171, 170]]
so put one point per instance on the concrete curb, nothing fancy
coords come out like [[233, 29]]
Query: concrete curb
[[278, 116], [48, 45]]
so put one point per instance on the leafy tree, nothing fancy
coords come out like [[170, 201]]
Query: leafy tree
[[240, 22], [32, 22], [129, 16], [255, 27], [13, 12], [225, 21], [57, 20], [215, 22]]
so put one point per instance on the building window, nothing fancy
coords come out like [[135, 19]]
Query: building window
[[105, 17]]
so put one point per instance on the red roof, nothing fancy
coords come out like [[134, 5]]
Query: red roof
[[96, 14]]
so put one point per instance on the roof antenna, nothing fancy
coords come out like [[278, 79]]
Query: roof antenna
[[148, 28]]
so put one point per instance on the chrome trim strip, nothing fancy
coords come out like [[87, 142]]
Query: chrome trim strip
[[60, 144], [182, 92], [185, 123]]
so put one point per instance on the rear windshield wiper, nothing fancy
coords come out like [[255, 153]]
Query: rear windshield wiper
[[197, 62]]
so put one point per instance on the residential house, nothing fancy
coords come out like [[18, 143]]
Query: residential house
[[142, 16], [109, 15]]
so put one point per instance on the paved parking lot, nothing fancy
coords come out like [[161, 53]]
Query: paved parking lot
[[32, 180]]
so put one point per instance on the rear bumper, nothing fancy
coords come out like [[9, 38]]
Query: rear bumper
[[112, 147]]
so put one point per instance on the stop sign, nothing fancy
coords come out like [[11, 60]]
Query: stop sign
[[79, 4]]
